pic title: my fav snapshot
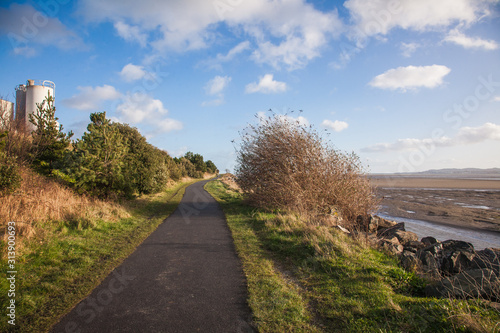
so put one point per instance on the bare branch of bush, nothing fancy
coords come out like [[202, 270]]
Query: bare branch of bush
[[283, 164]]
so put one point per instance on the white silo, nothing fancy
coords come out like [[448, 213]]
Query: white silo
[[21, 104], [6, 113], [27, 98]]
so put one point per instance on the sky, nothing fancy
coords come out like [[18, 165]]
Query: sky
[[406, 85]]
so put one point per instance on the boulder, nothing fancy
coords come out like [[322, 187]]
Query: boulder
[[474, 283], [391, 245], [488, 258], [430, 265], [429, 240], [374, 223], [414, 246], [390, 232], [384, 224], [406, 237], [410, 262], [452, 256]]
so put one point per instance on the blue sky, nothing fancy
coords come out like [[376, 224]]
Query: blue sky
[[407, 85]]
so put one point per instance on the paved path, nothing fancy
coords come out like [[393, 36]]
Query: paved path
[[185, 277]]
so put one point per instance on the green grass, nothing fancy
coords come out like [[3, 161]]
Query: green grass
[[303, 277], [53, 276]]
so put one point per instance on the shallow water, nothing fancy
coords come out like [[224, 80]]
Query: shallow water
[[480, 239]]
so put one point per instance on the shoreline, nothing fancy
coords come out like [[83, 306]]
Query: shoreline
[[472, 204], [434, 182]]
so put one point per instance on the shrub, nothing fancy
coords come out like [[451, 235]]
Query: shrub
[[10, 178], [285, 165]]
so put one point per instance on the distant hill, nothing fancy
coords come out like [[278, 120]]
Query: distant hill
[[465, 171]]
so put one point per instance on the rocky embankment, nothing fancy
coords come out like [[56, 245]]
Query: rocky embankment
[[455, 268]]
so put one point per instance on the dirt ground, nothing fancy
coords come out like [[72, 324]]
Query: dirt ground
[[469, 203]]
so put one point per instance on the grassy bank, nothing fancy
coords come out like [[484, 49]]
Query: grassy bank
[[304, 277], [63, 261]]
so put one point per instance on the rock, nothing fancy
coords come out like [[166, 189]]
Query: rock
[[452, 256], [405, 237], [458, 261], [390, 232], [414, 246], [384, 224], [429, 240], [391, 245], [430, 265], [373, 223], [474, 283], [488, 258], [410, 262]]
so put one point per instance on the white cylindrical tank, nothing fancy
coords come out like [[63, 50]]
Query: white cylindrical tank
[[6, 113], [21, 103], [36, 93]]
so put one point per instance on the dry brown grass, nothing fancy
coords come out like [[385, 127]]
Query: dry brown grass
[[284, 165], [40, 200]]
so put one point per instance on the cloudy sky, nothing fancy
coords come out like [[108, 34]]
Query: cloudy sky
[[407, 85]]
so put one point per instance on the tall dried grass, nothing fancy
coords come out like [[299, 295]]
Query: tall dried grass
[[283, 164], [40, 201]]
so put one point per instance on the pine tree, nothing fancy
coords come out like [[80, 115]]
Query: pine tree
[[50, 144], [99, 159]]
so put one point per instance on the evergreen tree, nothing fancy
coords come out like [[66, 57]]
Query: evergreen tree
[[197, 161], [146, 167], [99, 159], [50, 144], [211, 168]]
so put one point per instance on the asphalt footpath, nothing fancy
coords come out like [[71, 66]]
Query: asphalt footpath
[[185, 277]]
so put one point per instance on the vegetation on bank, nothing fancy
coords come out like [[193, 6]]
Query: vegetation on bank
[[77, 208], [283, 164], [109, 160], [60, 261], [304, 276]]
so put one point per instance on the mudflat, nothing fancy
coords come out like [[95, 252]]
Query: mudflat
[[435, 183], [467, 203]]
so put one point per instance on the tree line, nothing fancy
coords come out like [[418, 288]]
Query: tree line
[[111, 159]]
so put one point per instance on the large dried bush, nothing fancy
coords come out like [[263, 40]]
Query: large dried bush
[[283, 164]]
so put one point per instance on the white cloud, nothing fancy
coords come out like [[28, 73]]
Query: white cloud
[[266, 85], [496, 99], [131, 72], [215, 63], [379, 17], [336, 125], [408, 48], [461, 39], [131, 33], [470, 135], [215, 87], [411, 77], [91, 98], [140, 108], [465, 136], [243, 46], [25, 28], [287, 33]]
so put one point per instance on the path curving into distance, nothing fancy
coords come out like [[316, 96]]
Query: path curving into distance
[[185, 277]]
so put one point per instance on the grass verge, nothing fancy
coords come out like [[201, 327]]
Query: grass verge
[[56, 272], [306, 277]]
